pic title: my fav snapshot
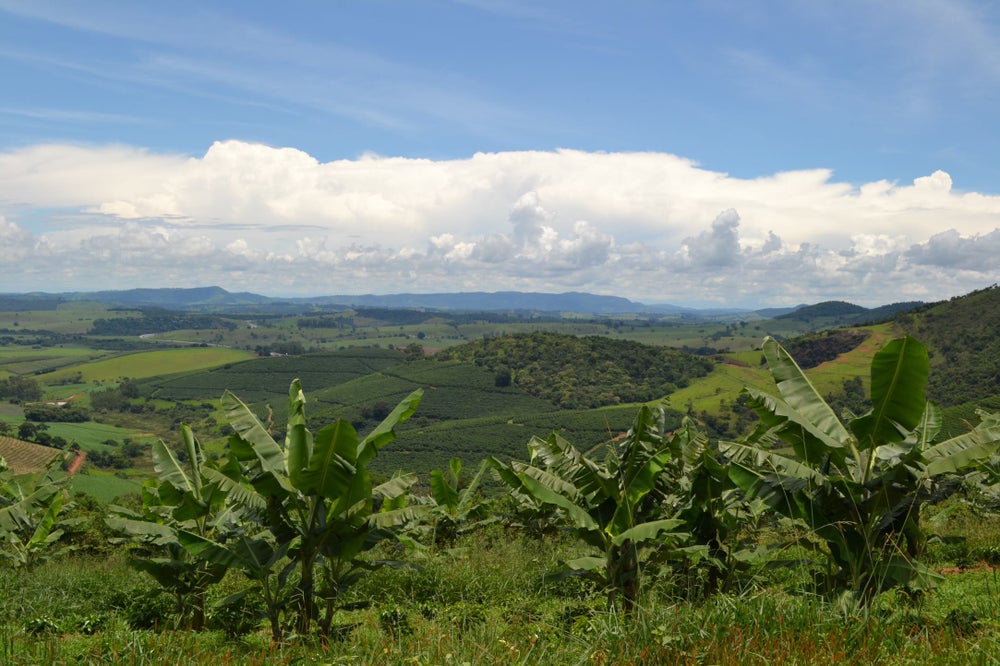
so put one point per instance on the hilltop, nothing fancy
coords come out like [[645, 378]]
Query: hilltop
[[218, 300], [963, 335]]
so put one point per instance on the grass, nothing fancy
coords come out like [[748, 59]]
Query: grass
[[21, 360], [488, 603], [91, 436], [68, 318], [104, 486], [150, 364]]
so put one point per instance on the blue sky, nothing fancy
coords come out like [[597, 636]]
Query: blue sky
[[720, 152]]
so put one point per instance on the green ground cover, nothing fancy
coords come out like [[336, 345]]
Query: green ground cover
[[104, 486], [91, 436], [67, 318], [151, 364], [489, 603], [40, 361]]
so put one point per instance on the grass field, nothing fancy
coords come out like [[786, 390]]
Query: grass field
[[69, 318], [104, 486], [91, 436], [150, 364], [489, 603], [20, 360]]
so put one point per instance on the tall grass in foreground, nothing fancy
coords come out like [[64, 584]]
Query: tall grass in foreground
[[486, 602]]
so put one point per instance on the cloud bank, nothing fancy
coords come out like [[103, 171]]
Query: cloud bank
[[653, 227]]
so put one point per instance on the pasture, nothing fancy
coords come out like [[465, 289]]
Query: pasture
[[71, 318], [22, 360], [149, 364]]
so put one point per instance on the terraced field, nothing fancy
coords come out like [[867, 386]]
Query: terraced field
[[25, 457]]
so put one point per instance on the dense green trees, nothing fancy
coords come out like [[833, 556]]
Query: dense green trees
[[582, 372], [19, 389]]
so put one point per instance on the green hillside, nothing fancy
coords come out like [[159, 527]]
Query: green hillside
[[583, 372], [262, 380], [489, 396], [963, 335], [465, 411]]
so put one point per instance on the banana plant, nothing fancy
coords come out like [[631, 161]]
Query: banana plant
[[608, 503], [318, 494], [858, 485], [189, 498], [453, 509], [30, 509], [695, 487]]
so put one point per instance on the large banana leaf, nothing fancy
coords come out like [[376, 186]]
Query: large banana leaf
[[467, 497], [17, 514], [385, 431], [958, 453], [564, 460], [898, 380], [549, 489], [129, 522], [930, 426], [44, 535], [298, 439], [170, 470], [254, 555], [650, 531], [802, 396], [252, 442], [235, 488], [445, 494], [330, 469], [644, 456]]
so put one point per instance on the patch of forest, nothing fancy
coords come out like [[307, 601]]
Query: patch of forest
[[963, 336], [812, 349], [160, 322], [582, 372], [841, 313]]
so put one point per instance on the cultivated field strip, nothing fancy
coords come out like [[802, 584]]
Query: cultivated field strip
[[25, 457]]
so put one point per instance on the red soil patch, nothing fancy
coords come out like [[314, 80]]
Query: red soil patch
[[77, 462]]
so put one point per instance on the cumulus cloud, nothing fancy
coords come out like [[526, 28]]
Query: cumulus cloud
[[949, 249], [15, 242], [717, 247], [650, 226]]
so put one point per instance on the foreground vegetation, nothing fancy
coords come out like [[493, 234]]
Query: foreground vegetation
[[488, 603], [806, 542]]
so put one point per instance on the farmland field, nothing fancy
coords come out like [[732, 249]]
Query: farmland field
[[91, 436], [24, 457], [20, 360], [150, 364], [104, 486], [68, 318]]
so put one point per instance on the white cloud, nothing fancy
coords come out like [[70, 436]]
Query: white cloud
[[645, 225], [717, 247], [15, 242]]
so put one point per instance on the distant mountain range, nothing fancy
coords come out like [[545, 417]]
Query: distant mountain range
[[217, 299]]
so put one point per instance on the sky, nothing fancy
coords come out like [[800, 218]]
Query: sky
[[741, 153]]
